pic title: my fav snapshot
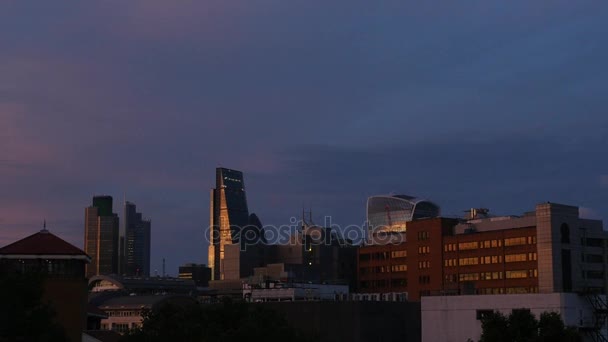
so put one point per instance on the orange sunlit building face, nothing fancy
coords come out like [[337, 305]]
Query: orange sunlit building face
[[549, 250]]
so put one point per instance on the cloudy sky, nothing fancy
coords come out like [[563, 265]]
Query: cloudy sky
[[500, 104]]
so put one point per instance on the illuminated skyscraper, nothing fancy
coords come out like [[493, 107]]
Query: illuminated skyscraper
[[101, 237], [229, 221]]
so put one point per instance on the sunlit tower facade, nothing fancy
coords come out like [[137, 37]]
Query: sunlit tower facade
[[228, 215], [101, 237]]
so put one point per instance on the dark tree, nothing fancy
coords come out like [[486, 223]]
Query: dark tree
[[224, 322], [24, 316], [522, 326]]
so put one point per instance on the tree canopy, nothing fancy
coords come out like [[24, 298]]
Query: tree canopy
[[224, 322], [522, 326], [24, 315]]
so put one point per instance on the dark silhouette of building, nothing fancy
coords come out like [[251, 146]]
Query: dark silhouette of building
[[231, 254], [101, 237], [63, 267], [200, 273], [135, 239]]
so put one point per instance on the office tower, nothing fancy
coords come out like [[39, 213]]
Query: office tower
[[229, 215], [101, 237], [135, 237]]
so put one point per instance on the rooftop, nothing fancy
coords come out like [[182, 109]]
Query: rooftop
[[41, 243]]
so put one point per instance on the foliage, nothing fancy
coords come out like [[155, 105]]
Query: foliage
[[24, 316], [522, 326], [225, 322]]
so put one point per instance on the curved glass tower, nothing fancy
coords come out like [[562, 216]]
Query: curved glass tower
[[390, 213]]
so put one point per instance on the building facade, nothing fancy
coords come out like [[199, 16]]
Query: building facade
[[199, 273], [101, 240], [233, 233], [548, 250], [135, 240], [63, 268], [388, 215]]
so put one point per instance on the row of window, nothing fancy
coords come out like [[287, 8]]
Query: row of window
[[424, 264], [516, 241], [423, 236], [490, 259], [383, 269], [516, 274], [124, 313], [383, 283], [424, 250], [383, 255]]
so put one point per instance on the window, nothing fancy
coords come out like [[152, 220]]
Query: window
[[515, 241], [398, 282], [424, 264], [424, 250], [398, 254], [425, 279], [532, 256], [468, 245], [423, 236], [468, 276], [450, 247], [490, 275], [595, 275], [451, 278], [120, 327], [515, 257], [468, 261], [516, 274], [364, 257], [565, 233], [450, 263], [399, 268]]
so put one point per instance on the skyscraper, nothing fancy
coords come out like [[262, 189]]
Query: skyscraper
[[101, 237], [229, 217], [135, 238]]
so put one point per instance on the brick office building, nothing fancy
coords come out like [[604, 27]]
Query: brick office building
[[548, 250]]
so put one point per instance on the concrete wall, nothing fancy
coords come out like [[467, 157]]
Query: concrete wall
[[353, 321], [454, 318]]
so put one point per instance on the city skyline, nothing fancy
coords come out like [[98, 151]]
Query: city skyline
[[468, 105]]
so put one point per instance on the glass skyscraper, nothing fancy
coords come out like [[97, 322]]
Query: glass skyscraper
[[101, 237], [228, 216], [135, 238]]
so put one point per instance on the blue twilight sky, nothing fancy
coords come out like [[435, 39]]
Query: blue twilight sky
[[501, 104]]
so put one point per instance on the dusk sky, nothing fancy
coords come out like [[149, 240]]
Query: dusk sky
[[497, 104]]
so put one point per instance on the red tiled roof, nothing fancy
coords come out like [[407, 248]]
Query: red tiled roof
[[41, 243]]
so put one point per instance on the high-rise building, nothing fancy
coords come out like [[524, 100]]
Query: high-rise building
[[229, 220], [135, 238], [101, 237]]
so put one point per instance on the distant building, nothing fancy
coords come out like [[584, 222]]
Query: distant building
[[551, 249], [278, 292], [101, 237], [200, 273], [135, 240], [63, 264], [389, 214], [126, 312], [233, 232], [139, 285]]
